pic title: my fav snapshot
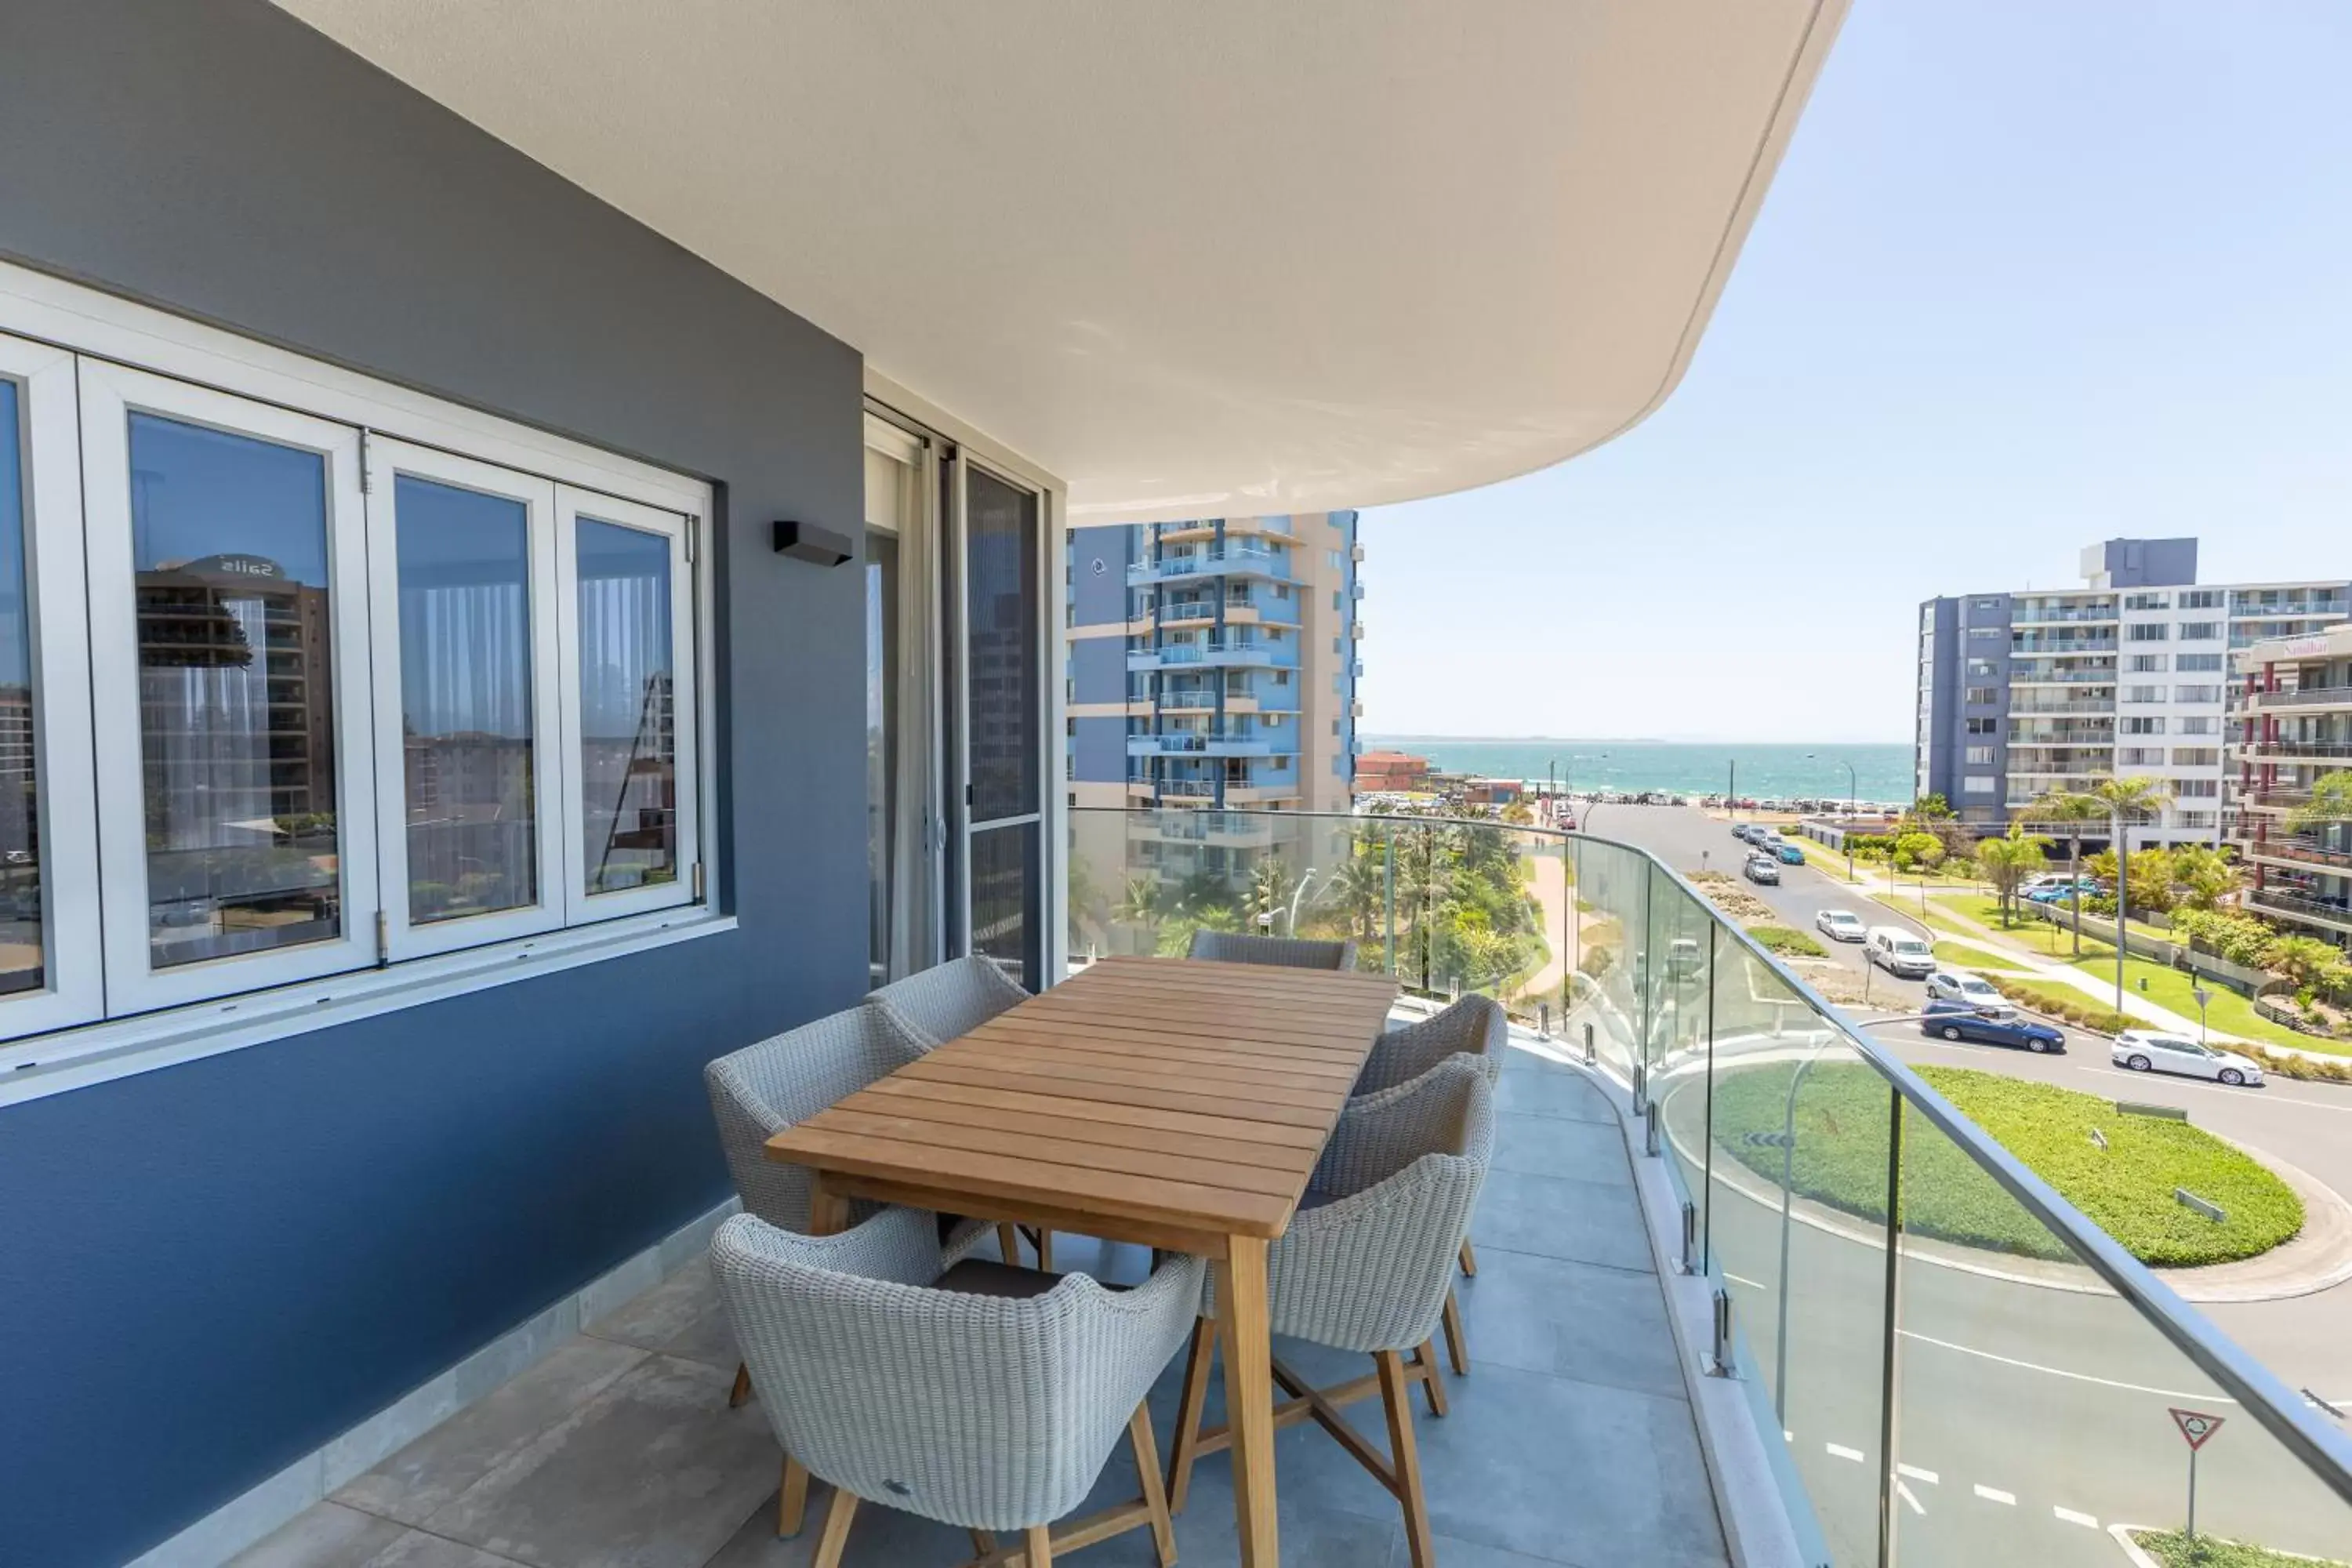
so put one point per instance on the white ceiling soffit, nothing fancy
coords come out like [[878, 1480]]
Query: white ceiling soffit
[[1198, 258]]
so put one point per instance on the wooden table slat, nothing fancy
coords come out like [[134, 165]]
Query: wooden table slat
[[1130, 1160], [1116, 1094], [1266, 1057], [1242, 1078], [1077, 1130], [1112, 1118]]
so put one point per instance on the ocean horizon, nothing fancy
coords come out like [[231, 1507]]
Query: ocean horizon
[[1882, 770]]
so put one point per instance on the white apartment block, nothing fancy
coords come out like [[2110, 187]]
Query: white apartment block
[[2028, 691]]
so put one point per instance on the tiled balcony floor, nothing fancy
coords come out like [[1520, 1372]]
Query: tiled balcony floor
[[1569, 1442]]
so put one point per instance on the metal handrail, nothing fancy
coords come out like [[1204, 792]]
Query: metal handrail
[[2322, 1448]]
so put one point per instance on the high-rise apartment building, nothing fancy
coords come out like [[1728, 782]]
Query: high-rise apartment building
[[2029, 690], [2293, 727], [1213, 663]]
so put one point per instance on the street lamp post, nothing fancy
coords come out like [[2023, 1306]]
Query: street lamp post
[[1296, 894], [1852, 800]]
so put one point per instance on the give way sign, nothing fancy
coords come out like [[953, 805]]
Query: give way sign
[[2196, 1427]]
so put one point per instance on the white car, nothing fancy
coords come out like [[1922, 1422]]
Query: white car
[[2147, 1050], [1840, 925], [1952, 986]]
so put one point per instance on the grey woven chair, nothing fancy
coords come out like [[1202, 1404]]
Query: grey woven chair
[[1368, 1265], [786, 1078], [1289, 952], [948, 999], [986, 1396], [946, 1002]]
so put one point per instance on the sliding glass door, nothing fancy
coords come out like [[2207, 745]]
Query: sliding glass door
[[1000, 699]]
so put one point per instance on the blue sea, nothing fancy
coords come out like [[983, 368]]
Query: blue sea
[[1881, 772]]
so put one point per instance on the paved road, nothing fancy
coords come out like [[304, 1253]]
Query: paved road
[[2025, 1411]]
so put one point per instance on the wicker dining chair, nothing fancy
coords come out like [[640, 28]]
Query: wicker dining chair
[[1476, 1026], [1368, 1265], [1289, 952], [983, 1397], [941, 1004], [781, 1081]]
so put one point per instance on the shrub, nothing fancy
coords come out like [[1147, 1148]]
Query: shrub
[[2079, 1011], [2240, 939], [2288, 1064], [1786, 941]]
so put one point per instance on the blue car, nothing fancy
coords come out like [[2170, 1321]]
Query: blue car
[[1956, 1021], [1791, 854]]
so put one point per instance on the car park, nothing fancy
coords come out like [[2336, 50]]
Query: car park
[[1763, 868], [2152, 1050], [1897, 952], [1972, 990], [1958, 1021], [1840, 925]]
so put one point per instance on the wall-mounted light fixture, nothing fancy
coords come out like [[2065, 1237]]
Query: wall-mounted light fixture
[[806, 542]]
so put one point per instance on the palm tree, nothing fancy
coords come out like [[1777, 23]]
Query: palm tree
[[2331, 801], [1143, 902], [2009, 861], [2136, 797], [2067, 812], [2205, 875]]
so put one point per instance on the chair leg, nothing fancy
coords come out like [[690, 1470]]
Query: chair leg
[[1038, 1553], [1188, 1413], [791, 1498], [1045, 1249], [1008, 1243], [1432, 1381], [741, 1392], [1155, 1497], [984, 1542], [1457, 1343], [1469, 1258], [1396, 1397], [837, 1528]]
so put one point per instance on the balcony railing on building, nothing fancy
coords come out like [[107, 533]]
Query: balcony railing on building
[[1235, 558], [2336, 696]]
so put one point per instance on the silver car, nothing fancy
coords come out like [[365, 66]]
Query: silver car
[[1950, 986], [2150, 1050]]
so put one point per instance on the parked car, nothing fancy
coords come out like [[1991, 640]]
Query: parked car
[[1840, 925], [1897, 952], [1685, 958], [1790, 854], [2147, 1050], [1745, 831], [1960, 1021], [1974, 991], [1763, 868], [2058, 892]]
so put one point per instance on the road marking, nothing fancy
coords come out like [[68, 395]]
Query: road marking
[[1904, 1493], [1917, 1474], [1993, 1494], [2059, 1370], [2071, 1517], [1840, 1451], [1742, 1280]]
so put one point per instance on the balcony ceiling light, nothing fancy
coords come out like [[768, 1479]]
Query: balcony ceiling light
[[1215, 256]]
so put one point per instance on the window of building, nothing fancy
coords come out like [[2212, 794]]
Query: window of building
[[304, 698], [2147, 631], [2197, 789], [2200, 631], [1983, 696], [2195, 818], [2196, 756], [2146, 602], [2148, 663], [2143, 693], [2197, 663], [1978, 755], [1980, 669], [1984, 726], [2138, 756], [2197, 694], [2143, 726], [2200, 599], [1978, 784], [1986, 604], [1987, 631]]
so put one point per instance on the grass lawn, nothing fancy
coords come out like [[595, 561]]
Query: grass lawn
[[1968, 957], [1786, 941], [1941, 919], [2175, 1550], [2229, 1013], [2126, 1187]]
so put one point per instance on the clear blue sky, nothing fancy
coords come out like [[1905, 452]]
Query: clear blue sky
[[2032, 275]]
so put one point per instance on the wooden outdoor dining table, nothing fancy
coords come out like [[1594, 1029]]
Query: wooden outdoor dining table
[[1170, 1103]]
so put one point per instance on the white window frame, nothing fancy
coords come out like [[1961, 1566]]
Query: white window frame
[[111, 393], [387, 459], [571, 505], [66, 787]]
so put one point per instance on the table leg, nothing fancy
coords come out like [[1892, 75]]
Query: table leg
[[1249, 1396], [828, 1212]]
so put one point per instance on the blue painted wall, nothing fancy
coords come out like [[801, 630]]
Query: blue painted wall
[[209, 1271]]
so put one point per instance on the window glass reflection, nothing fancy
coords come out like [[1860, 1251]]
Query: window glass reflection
[[21, 955], [628, 744], [465, 700], [236, 692]]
